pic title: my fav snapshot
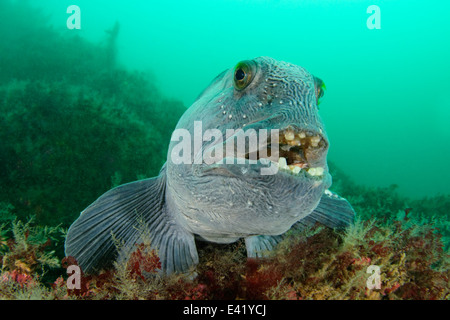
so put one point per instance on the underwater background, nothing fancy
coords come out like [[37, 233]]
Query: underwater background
[[84, 110]]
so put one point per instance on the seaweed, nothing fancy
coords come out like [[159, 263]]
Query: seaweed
[[72, 118], [26, 256], [314, 263]]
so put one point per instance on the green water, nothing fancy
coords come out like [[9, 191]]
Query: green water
[[386, 108], [387, 104]]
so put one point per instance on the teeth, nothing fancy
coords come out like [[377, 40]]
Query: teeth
[[282, 164], [294, 143], [316, 171], [315, 141], [289, 135], [293, 168], [296, 170], [294, 139]]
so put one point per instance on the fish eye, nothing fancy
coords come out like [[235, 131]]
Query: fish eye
[[244, 73], [319, 88]]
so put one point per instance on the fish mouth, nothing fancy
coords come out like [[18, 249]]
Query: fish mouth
[[300, 151]]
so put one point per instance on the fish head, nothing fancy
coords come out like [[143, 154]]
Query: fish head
[[271, 180]]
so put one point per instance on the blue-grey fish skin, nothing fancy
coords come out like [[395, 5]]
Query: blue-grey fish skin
[[226, 205], [218, 201]]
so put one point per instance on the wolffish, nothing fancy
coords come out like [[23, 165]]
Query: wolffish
[[222, 201]]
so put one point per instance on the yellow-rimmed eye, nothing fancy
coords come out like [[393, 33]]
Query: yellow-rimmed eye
[[320, 89], [244, 73]]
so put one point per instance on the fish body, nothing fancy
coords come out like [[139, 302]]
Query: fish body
[[214, 188]]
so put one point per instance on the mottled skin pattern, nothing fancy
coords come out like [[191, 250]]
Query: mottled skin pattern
[[222, 202], [224, 205]]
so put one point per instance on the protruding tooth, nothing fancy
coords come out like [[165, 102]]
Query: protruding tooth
[[289, 135], [282, 163], [316, 171], [294, 143], [302, 135], [296, 170], [315, 141]]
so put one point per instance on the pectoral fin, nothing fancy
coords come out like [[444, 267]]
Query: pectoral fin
[[260, 246], [116, 213], [332, 211]]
